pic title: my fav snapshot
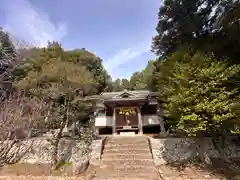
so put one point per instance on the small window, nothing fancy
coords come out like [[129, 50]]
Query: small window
[[101, 112]]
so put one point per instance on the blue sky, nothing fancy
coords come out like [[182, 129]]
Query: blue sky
[[118, 31]]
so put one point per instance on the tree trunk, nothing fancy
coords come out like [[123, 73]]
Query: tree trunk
[[56, 162], [202, 149], [218, 145], [55, 146]]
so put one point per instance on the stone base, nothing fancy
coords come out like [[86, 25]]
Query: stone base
[[96, 152], [127, 134]]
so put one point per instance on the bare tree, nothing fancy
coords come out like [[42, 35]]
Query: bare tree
[[20, 118]]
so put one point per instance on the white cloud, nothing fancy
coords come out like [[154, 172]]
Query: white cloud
[[125, 56], [28, 23]]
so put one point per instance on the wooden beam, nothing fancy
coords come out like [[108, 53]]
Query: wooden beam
[[140, 122], [114, 122]]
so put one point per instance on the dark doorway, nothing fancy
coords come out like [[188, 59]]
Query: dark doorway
[[126, 119]]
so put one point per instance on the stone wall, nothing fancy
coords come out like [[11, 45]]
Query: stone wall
[[39, 150], [96, 152], [168, 150]]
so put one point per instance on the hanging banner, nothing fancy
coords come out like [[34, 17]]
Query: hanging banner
[[127, 111]]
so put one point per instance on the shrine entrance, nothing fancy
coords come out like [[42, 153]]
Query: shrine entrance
[[127, 119], [125, 111]]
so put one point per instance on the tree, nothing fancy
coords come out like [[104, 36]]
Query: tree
[[226, 38], [8, 55], [143, 79], [148, 73], [209, 25], [79, 57], [92, 64], [21, 117], [125, 84], [61, 83], [181, 22], [137, 81], [7, 49], [117, 86], [201, 97], [199, 94], [10, 59]]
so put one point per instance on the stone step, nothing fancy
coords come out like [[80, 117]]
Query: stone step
[[127, 146], [127, 140], [128, 162], [127, 175], [127, 151], [104, 159], [128, 168], [127, 172], [128, 134], [127, 156], [126, 178], [108, 159]]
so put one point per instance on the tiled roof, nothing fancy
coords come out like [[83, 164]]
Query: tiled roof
[[132, 95], [138, 94]]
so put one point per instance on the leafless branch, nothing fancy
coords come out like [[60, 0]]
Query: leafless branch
[[20, 117]]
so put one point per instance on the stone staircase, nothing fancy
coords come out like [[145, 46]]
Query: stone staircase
[[127, 158]]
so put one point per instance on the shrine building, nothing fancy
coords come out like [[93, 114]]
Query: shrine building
[[127, 111]]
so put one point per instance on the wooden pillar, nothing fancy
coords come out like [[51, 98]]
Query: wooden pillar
[[114, 122], [162, 125], [93, 119], [140, 132], [160, 118]]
